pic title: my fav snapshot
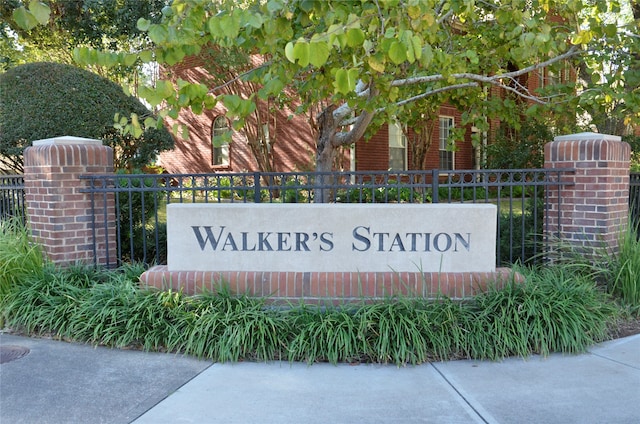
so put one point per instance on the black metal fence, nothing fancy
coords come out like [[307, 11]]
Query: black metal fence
[[141, 199], [634, 199], [12, 203]]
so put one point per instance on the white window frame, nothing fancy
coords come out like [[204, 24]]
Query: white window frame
[[443, 140], [219, 154], [397, 140]]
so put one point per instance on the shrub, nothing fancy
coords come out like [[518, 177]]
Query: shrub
[[556, 310], [623, 279], [518, 233], [142, 237], [19, 258], [519, 150], [634, 142], [44, 100]]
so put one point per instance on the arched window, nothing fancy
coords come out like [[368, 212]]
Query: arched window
[[220, 138]]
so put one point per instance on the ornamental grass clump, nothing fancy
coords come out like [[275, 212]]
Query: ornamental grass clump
[[555, 311], [558, 309], [229, 328], [325, 334], [618, 271], [19, 257], [624, 278]]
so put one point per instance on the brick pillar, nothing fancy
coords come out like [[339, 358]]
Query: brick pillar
[[591, 213], [60, 215]]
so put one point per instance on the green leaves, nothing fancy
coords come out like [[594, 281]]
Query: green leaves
[[397, 52], [298, 52], [402, 46], [318, 49], [37, 14], [158, 34], [355, 37], [143, 24], [237, 106], [85, 55], [318, 53], [304, 53], [228, 25], [346, 80], [557, 309]]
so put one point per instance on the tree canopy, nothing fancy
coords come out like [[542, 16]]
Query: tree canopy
[[44, 100], [49, 30], [365, 62]]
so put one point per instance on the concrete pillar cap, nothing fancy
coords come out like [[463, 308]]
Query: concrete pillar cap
[[587, 136], [66, 140]]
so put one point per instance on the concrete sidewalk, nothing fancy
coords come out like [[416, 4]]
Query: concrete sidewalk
[[59, 382]]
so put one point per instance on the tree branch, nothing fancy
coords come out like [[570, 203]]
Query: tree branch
[[573, 51], [475, 79], [344, 109], [238, 77], [435, 91], [360, 124]]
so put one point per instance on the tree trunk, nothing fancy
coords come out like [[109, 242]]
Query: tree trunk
[[325, 154], [329, 139]]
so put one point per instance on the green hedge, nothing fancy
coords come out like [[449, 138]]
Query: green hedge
[[45, 100], [554, 311]]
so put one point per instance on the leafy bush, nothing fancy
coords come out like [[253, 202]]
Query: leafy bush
[[293, 193], [142, 237], [634, 142], [19, 257], [556, 310], [623, 279], [389, 192], [45, 100], [519, 150], [518, 233]]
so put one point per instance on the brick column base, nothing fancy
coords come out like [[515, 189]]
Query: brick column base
[[61, 216], [315, 287], [591, 213]]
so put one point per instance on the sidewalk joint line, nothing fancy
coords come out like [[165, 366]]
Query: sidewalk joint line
[[459, 394], [615, 360]]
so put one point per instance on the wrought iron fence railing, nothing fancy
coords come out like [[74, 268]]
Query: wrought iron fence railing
[[634, 199], [140, 200], [12, 202]]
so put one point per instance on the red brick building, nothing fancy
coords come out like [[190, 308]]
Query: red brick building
[[289, 138]]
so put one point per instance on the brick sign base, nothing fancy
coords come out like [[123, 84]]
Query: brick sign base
[[318, 286]]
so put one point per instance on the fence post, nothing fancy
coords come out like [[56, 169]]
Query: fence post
[[435, 175], [256, 187], [63, 219], [591, 213]]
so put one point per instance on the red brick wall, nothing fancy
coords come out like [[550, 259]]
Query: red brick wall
[[295, 145], [60, 215], [373, 154], [292, 136], [314, 287], [593, 211]]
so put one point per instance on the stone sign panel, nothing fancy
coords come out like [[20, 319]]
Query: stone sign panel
[[332, 237]]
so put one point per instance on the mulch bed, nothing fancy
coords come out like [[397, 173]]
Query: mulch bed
[[627, 327]]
